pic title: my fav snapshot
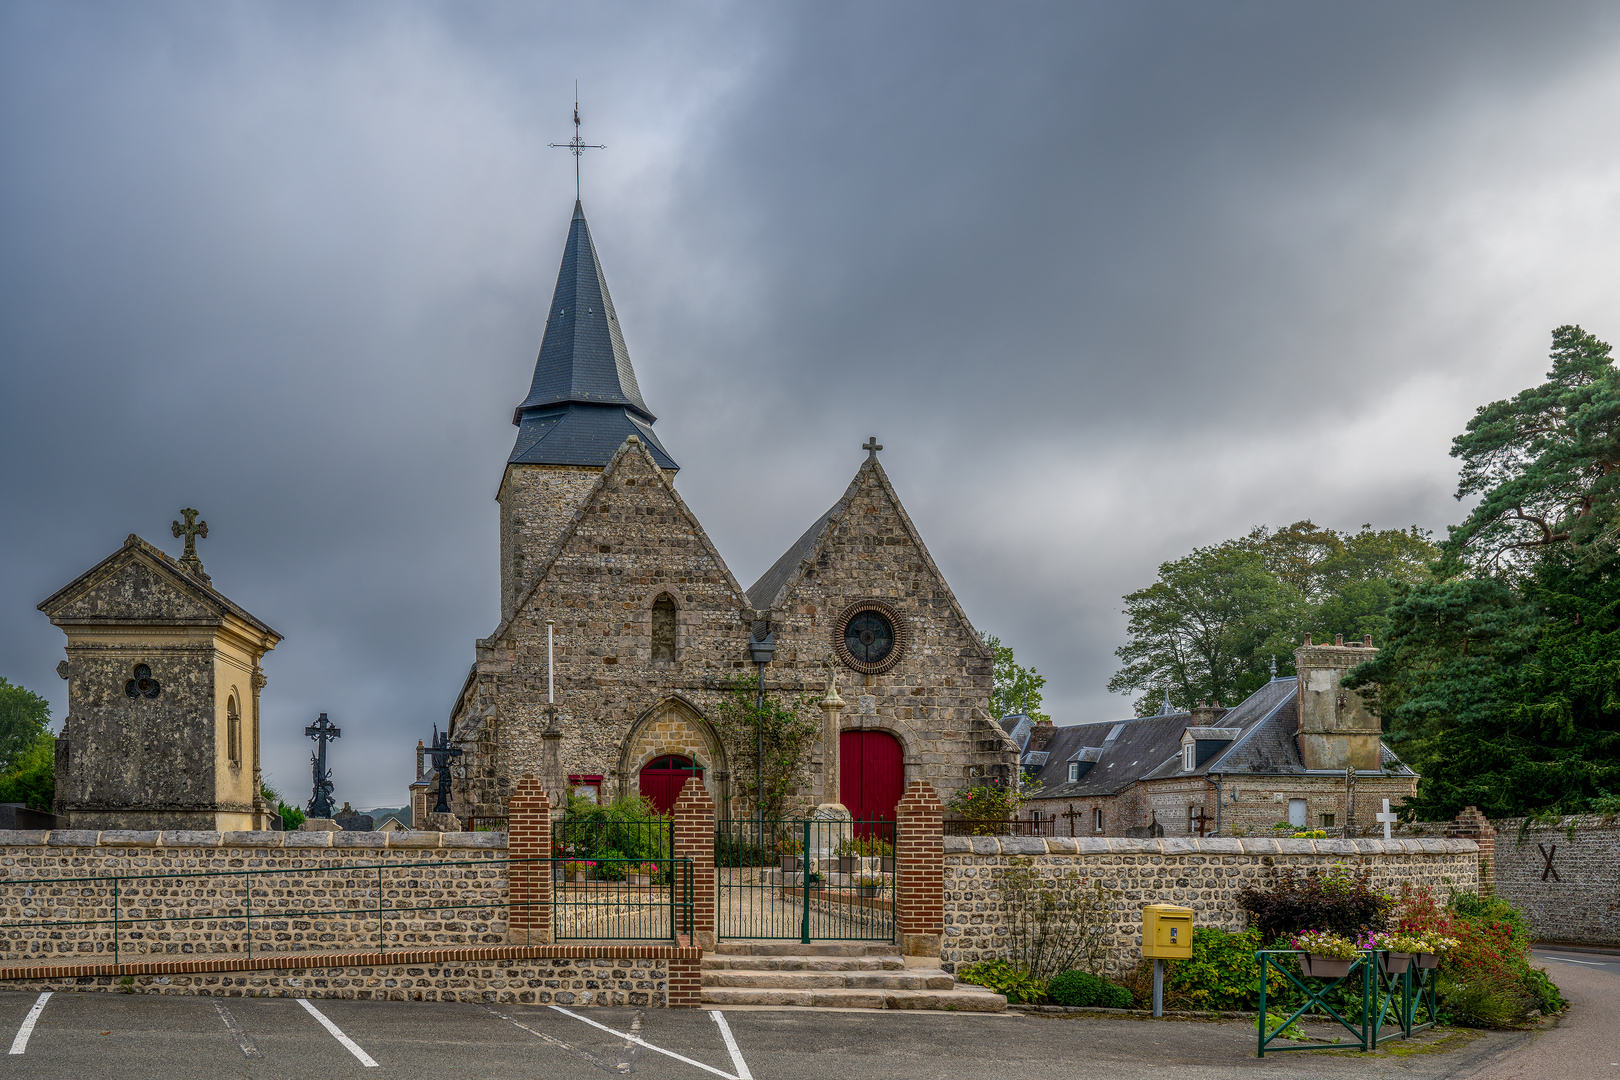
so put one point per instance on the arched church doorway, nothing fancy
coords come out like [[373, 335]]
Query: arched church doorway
[[871, 775], [662, 777]]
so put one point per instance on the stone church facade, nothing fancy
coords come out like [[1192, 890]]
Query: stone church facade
[[648, 625]]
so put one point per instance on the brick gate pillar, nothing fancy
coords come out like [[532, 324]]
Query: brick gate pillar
[[528, 884], [694, 839], [919, 851], [1475, 826]]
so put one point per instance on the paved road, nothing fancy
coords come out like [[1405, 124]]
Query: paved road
[[138, 1037], [1585, 1042]]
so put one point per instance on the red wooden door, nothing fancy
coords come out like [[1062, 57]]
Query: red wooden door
[[871, 775], [661, 779]]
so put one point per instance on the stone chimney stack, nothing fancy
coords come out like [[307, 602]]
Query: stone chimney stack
[[1207, 715], [1336, 731]]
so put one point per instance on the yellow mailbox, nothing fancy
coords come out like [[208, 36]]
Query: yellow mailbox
[[1167, 932]]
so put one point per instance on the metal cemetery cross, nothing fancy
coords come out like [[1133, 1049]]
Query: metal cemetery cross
[[321, 730], [442, 754], [1387, 818], [1201, 820]]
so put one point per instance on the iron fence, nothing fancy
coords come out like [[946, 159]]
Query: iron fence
[[1001, 826], [805, 879], [389, 906], [1369, 997]]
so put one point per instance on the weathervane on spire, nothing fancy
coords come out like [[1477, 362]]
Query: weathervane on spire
[[576, 146]]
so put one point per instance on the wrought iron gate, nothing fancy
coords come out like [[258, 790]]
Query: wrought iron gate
[[805, 879]]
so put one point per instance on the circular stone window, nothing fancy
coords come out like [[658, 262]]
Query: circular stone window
[[869, 636]]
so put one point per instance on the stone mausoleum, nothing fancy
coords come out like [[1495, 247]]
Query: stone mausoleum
[[649, 625], [163, 674]]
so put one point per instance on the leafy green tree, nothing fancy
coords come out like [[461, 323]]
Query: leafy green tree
[[1200, 627], [1546, 464], [1014, 688], [291, 816], [31, 779], [1500, 682], [788, 730], [24, 715]]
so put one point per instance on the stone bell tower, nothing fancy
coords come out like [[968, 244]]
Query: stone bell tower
[[1336, 730]]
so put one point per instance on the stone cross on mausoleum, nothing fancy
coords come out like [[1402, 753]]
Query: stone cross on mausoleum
[[321, 730], [191, 530]]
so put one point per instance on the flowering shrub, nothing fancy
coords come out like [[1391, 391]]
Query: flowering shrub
[[1337, 900], [1485, 978], [1310, 834], [579, 868], [988, 803], [1325, 944], [867, 846]]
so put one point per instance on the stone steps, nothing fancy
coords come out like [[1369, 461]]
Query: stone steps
[[833, 975]]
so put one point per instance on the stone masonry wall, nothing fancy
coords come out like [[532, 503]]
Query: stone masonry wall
[[1204, 875], [453, 877], [1582, 904]]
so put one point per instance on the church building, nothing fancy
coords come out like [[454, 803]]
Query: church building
[[648, 625]]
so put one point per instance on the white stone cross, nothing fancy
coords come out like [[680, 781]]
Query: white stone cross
[[1387, 818]]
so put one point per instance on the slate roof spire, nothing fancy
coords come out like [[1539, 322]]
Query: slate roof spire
[[583, 401]]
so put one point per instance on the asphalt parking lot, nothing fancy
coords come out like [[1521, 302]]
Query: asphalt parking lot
[[136, 1037]]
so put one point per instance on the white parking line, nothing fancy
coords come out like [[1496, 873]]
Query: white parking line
[[353, 1047], [737, 1058], [19, 1045], [731, 1044], [1567, 960], [243, 1039]]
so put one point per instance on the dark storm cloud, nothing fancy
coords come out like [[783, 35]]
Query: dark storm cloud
[[1107, 280]]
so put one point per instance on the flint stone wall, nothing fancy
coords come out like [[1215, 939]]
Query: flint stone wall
[[573, 982], [453, 877], [1203, 874], [1581, 905]]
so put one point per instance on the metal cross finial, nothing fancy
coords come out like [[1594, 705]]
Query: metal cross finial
[[321, 731], [871, 446], [443, 754], [576, 146], [191, 530]]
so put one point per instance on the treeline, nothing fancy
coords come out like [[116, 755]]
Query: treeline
[[1498, 676]]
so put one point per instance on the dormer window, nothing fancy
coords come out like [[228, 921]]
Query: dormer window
[[1189, 752], [1074, 771]]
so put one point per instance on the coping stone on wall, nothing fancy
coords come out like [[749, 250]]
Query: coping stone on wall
[[1023, 845], [1178, 846], [205, 838], [1061, 845], [474, 840], [414, 839], [130, 838], [306, 839], [71, 838], [985, 845], [1221, 845], [249, 838], [957, 845], [359, 839], [1258, 846], [22, 837], [1092, 845]]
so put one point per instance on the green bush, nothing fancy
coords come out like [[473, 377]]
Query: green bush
[[1019, 986], [1077, 989], [1113, 996], [1222, 973], [32, 776], [1337, 900]]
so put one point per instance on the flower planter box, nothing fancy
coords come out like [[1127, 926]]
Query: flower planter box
[[1426, 959], [866, 890], [790, 864], [1394, 963], [848, 864], [887, 864], [643, 880], [1324, 967]]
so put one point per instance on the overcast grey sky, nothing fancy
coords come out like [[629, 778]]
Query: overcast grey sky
[[1108, 281]]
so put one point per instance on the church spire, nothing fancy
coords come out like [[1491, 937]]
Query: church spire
[[583, 401]]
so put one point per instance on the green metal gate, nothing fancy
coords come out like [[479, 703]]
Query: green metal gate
[[805, 879]]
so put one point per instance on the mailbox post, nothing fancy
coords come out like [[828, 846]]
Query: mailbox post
[[1166, 935]]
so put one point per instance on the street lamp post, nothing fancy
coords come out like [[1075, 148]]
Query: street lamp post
[[761, 649]]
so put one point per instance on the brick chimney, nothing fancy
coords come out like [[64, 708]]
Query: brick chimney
[[1335, 729], [1207, 715]]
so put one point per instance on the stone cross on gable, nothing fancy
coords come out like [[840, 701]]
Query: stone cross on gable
[[1387, 818], [871, 446], [191, 530]]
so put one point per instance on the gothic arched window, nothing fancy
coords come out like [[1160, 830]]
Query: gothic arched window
[[663, 628], [233, 731]]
